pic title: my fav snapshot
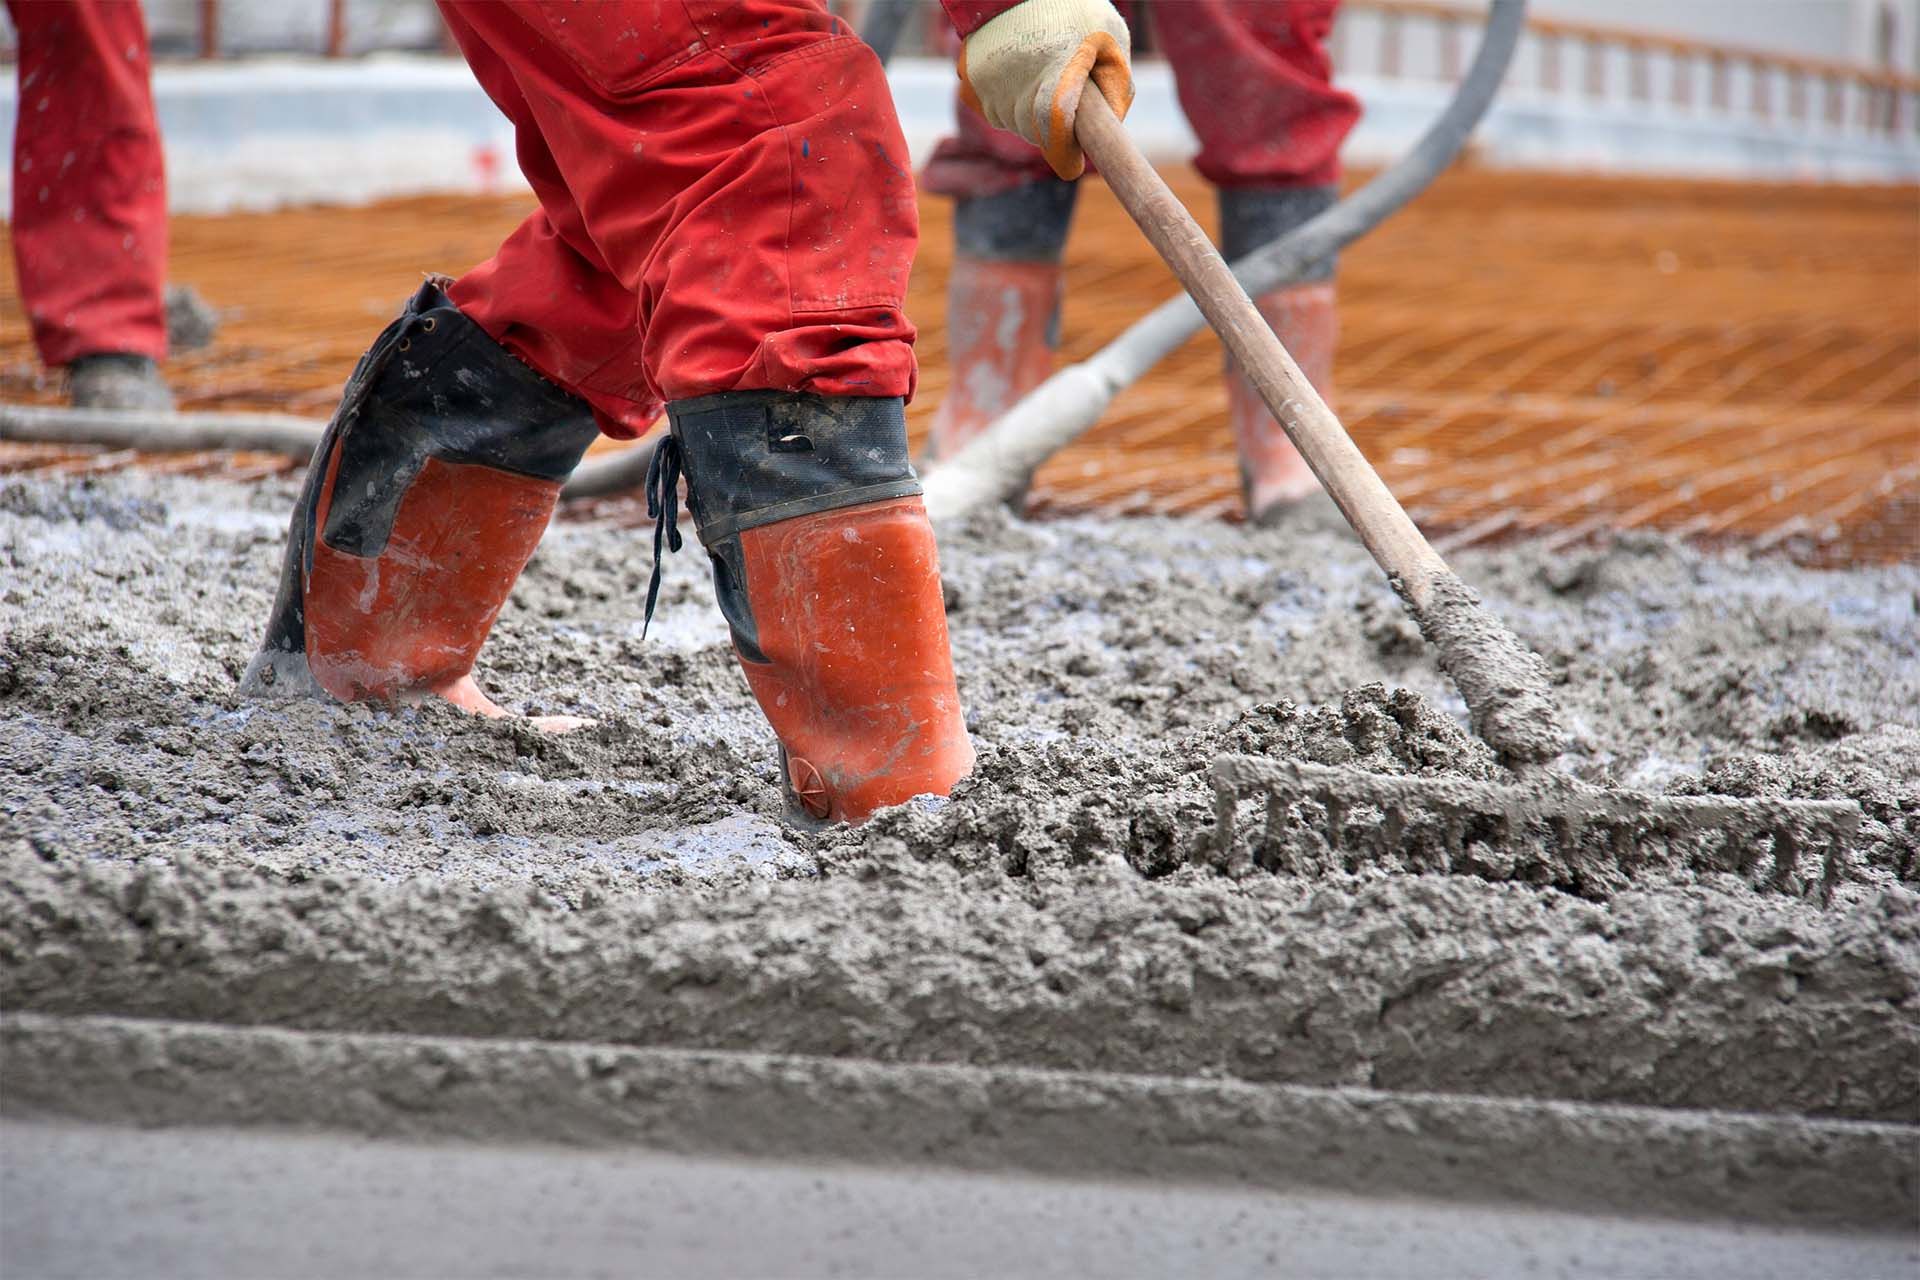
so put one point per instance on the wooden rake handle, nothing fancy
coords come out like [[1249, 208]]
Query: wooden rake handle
[[1506, 687], [1349, 479]]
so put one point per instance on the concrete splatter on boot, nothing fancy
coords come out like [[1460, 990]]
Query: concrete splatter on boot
[[1274, 478], [1003, 306], [425, 499], [118, 380], [824, 565]]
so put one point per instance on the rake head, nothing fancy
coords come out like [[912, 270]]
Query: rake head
[[1552, 831]]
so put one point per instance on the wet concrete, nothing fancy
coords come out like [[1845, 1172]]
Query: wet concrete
[[1505, 686], [171, 850]]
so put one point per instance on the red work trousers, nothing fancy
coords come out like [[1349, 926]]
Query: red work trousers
[[725, 201], [1254, 80], [89, 183]]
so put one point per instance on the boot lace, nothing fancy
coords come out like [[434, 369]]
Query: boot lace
[[663, 505]]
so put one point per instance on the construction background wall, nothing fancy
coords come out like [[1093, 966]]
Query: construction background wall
[[247, 129], [1873, 32]]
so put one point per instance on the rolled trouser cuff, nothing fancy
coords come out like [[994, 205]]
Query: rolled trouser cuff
[[1253, 217], [754, 457], [1027, 224]]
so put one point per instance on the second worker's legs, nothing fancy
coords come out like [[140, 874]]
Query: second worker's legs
[[90, 200], [1003, 304], [1256, 84], [1010, 221]]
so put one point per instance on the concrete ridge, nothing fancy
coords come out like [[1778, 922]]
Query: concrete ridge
[[1785, 1171]]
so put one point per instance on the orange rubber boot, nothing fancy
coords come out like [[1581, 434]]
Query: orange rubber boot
[[1003, 327], [824, 565], [853, 669], [1273, 475], [426, 497]]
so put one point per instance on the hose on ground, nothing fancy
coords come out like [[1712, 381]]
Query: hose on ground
[[150, 432], [279, 433]]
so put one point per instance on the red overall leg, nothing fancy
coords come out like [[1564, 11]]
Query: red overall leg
[[1256, 84], [89, 190], [726, 201]]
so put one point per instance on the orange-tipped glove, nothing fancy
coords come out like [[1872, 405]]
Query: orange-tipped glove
[[1024, 71]]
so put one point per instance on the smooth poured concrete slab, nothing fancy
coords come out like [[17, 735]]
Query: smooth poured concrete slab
[[1773, 1171], [100, 1202]]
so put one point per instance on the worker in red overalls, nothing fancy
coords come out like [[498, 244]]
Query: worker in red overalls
[[1254, 79], [90, 200], [725, 225]]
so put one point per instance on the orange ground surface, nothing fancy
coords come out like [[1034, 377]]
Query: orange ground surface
[[1520, 354]]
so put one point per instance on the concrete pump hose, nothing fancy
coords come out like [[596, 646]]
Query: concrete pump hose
[[882, 24], [997, 464], [622, 472], [281, 433], [151, 432]]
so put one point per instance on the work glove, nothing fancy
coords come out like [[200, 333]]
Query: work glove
[[1024, 71]]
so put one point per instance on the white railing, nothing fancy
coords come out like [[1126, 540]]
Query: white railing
[[1393, 40], [1614, 67]]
